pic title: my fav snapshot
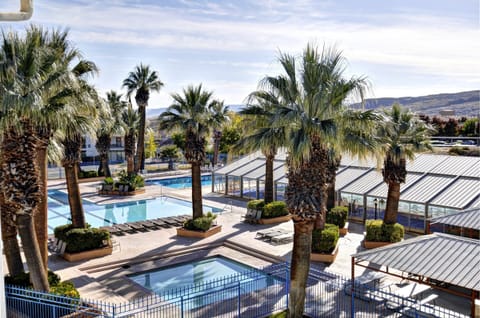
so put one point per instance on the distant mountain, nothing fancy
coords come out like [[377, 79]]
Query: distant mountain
[[154, 112], [463, 103]]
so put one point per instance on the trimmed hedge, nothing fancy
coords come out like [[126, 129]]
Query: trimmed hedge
[[325, 241], [79, 240], [256, 205], [203, 223], [57, 287], [338, 216], [87, 174], [377, 231], [274, 209]]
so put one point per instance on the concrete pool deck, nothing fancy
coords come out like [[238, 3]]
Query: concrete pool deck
[[104, 278]]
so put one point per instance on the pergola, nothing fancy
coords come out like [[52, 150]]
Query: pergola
[[430, 259]]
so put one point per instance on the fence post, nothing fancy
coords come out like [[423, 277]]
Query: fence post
[[181, 306], [239, 299], [287, 282], [353, 300]]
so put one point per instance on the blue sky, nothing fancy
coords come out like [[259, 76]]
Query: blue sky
[[404, 47]]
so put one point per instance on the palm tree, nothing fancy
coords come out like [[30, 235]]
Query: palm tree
[[222, 112], [402, 134], [110, 125], [141, 81], [195, 113], [130, 120], [309, 99], [262, 135]]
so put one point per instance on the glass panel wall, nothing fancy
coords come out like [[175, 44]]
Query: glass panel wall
[[249, 188], [219, 183], [261, 189], [355, 205], [280, 191], [233, 186]]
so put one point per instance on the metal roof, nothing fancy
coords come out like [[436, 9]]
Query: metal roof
[[259, 173], [238, 163], [365, 183], [459, 194], [469, 219], [347, 176], [427, 188], [455, 165], [424, 162], [473, 171], [382, 189], [249, 167], [443, 257]]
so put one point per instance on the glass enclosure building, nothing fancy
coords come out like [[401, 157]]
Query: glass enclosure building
[[436, 185]]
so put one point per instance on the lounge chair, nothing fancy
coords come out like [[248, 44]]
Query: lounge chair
[[160, 222], [263, 234], [147, 224], [282, 238], [249, 215], [112, 229], [136, 226], [274, 233]]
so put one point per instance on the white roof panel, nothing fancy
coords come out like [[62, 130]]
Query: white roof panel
[[459, 194], [365, 183], [249, 167], [382, 189], [348, 175], [425, 162], [426, 188], [260, 171], [238, 163], [455, 165]]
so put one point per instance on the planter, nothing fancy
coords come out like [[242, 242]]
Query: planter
[[199, 234], [325, 258], [80, 256], [85, 180], [372, 244], [344, 230], [279, 219]]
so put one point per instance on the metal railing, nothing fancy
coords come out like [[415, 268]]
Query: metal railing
[[253, 293]]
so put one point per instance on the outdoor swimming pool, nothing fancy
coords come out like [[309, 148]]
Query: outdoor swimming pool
[[200, 280], [105, 215], [180, 182]]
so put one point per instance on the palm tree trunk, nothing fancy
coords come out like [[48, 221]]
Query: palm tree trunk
[[38, 276], [321, 216], [196, 190], [141, 139], [217, 136], [41, 216], [268, 197], [393, 196], [9, 237], [331, 196], [104, 168], [302, 246], [74, 197]]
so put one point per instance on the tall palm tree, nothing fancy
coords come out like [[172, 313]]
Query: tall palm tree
[[130, 120], [402, 134], [308, 99], [263, 135], [110, 125], [221, 111], [141, 81], [195, 113]]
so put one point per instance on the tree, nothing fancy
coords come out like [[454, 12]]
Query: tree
[[308, 99], [141, 81], [263, 135], [130, 120], [178, 140], [221, 112], [169, 153], [195, 113], [109, 125], [470, 128], [401, 135], [151, 150]]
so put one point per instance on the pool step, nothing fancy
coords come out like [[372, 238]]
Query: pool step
[[253, 252]]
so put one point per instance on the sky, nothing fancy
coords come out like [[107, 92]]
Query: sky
[[403, 47]]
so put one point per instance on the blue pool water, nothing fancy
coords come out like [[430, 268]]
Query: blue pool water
[[105, 215], [215, 274], [181, 182]]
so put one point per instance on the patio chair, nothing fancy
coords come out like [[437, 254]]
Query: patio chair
[[282, 238], [160, 222], [249, 215], [278, 232]]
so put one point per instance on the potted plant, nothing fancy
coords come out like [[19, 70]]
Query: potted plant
[[107, 185], [380, 234], [83, 243], [338, 216], [201, 227], [275, 212], [325, 244]]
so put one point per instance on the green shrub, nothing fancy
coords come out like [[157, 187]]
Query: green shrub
[[338, 216], [133, 181], [87, 174], [23, 279], [274, 209], [79, 240], [108, 181], [326, 240], [66, 289], [200, 224], [377, 231], [256, 205]]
